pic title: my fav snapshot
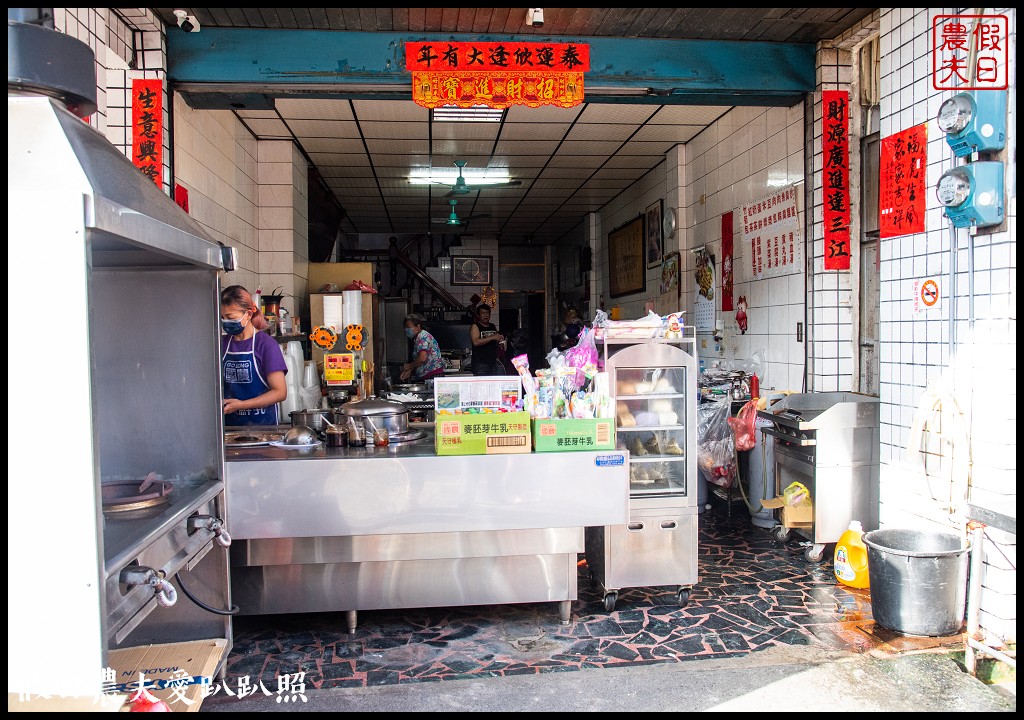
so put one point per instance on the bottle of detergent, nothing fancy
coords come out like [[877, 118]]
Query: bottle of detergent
[[851, 557]]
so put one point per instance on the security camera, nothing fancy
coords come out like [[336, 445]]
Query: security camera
[[186, 22], [535, 16]]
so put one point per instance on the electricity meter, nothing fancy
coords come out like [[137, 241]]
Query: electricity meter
[[972, 194], [974, 121], [954, 187]]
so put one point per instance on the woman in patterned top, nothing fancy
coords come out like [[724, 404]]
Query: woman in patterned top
[[426, 354]]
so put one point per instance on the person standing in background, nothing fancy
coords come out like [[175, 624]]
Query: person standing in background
[[426, 360], [486, 343], [573, 325], [252, 364]]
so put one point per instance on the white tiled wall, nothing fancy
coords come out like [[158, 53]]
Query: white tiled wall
[[620, 210], [129, 44], [283, 208], [832, 293], [441, 272], [747, 154], [969, 438]]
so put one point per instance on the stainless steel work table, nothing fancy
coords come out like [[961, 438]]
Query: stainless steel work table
[[348, 529]]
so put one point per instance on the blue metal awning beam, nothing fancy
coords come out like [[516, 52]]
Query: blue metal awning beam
[[628, 70]]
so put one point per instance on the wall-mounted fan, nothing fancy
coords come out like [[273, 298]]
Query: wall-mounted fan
[[454, 219], [461, 187]]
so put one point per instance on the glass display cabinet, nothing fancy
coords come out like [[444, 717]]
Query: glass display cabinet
[[654, 388]]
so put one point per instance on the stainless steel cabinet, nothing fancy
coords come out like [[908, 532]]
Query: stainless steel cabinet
[[654, 385]]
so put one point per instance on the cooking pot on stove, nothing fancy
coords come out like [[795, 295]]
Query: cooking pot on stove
[[377, 412], [413, 389], [313, 418]]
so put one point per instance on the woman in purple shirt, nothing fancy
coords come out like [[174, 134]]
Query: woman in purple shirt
[[252, 363]]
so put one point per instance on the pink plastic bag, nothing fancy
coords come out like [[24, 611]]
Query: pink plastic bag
[[585, 353]]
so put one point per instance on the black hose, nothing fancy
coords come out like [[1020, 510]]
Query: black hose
[[233, 611]]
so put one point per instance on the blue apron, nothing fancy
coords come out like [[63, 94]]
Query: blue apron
[[243, 381]]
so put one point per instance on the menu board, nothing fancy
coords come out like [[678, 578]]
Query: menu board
[[771, 230]]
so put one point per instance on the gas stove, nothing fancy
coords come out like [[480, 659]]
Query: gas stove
[[145, 547], [828, 442]]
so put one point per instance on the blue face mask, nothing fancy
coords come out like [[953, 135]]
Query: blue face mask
[[232, 327], [411, 333]]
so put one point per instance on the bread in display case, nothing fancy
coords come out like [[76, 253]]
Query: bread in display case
[[654, 388]]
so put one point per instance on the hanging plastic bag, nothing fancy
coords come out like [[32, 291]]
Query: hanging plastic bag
[[585, 353], [715, 443], [743, 426]]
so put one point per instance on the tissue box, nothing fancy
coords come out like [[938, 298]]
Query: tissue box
[[568, 434]]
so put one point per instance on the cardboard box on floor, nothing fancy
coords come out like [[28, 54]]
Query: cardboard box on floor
[[793, 516], [174, 672]]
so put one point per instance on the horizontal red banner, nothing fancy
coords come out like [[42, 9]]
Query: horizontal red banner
[[497, 90], [497, 56]]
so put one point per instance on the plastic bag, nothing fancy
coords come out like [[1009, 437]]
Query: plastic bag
[[585, 353], [756, 364], [743, 426], [716, 456]]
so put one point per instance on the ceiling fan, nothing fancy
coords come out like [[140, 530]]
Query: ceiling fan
[[454, 219], [461, 187]]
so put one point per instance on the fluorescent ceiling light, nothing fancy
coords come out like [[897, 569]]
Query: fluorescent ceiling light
[[448, 176], [477, 113]]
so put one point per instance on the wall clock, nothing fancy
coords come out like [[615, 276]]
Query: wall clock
[[668, 223]]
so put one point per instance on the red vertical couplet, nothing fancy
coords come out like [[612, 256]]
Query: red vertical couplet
[[904, 157], [148, 128], [835, 147], [727, 268]]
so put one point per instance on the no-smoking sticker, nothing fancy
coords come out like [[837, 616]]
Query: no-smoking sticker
[[926, 294]]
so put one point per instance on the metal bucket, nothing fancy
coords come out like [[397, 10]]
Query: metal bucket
[[918, 581]]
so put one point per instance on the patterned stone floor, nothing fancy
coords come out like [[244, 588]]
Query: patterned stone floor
[[753, 593]]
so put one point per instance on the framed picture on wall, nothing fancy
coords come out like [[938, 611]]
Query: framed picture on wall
[[626, 273], [471, 270], [653, 243]]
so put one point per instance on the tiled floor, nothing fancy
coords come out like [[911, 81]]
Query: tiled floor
[[753, 593]]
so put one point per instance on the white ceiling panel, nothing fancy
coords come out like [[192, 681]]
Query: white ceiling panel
[[394, 130], [268, 129], [390, 110], [314, 109], [607, 132], [324, 128], [332, 145], [530, 132]]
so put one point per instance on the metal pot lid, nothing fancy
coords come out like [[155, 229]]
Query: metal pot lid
[[373, 406], [311, 411]]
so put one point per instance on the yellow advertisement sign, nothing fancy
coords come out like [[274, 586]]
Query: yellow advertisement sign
[[339, 369]]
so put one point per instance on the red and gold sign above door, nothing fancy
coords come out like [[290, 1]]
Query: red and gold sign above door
[[497, 74]]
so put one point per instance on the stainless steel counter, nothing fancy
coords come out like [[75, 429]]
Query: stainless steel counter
[[328, 529]]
